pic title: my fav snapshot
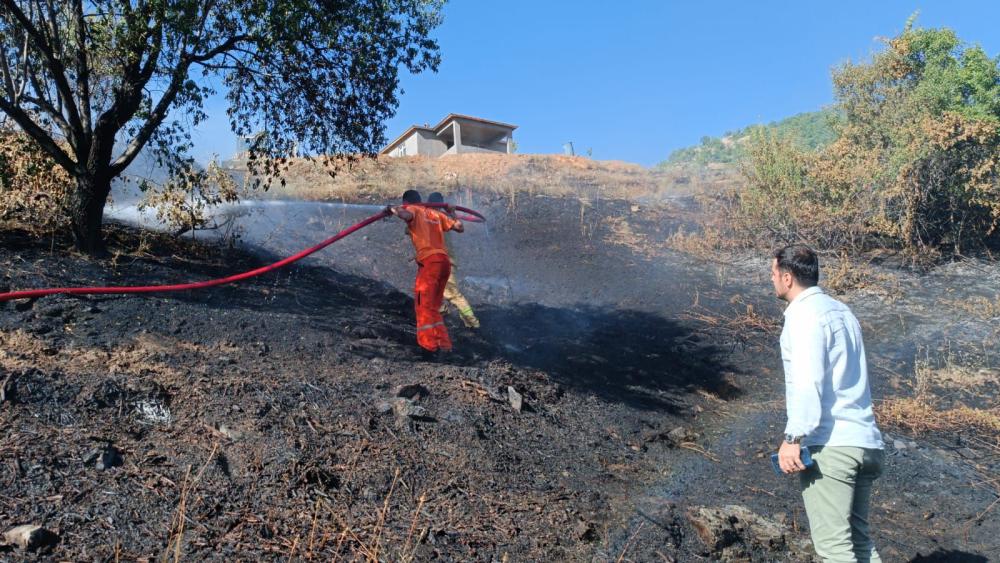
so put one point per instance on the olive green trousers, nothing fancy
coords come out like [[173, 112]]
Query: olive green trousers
[[837, 490]]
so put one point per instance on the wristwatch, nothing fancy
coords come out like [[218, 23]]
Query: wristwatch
[[790, 439]]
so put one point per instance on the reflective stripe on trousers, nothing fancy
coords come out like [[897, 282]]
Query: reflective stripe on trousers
[[452, 294]]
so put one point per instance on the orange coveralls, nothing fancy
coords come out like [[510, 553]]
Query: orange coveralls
[[426, 230]]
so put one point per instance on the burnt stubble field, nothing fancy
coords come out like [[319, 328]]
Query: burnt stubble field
[[619, 402]]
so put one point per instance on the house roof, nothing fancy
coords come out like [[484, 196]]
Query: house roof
[[448, 119], [453, 116]]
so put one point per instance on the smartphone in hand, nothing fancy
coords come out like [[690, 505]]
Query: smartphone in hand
[[804, 456]]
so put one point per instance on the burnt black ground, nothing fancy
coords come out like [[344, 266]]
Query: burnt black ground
[[265, 402]]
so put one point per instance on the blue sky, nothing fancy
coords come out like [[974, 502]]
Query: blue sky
[[634, 80]]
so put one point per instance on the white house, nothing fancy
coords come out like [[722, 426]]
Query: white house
[[455, 134]]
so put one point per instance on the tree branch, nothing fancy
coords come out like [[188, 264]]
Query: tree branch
[[14, 90], [23, 62], [83, 70], [8, 79], [40, 136], [159, 113], [224, 47], [126, 99], [54, 65], [45, 106], [154, 120]]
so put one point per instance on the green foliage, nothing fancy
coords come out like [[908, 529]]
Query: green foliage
[[106, 74], [916, 163], [184, 200], [783, 202], [809, 131]]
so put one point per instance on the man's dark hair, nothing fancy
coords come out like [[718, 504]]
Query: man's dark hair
[[411, 196], [800, 261], [435, 197]]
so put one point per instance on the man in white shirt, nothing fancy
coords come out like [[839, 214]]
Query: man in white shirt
[[829, 410]]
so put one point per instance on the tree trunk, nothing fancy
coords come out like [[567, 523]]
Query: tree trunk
[[87, 213]]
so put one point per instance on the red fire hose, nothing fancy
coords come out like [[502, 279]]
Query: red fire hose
[[472, 216]]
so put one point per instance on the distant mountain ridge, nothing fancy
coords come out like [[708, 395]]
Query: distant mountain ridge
[[811, 130]]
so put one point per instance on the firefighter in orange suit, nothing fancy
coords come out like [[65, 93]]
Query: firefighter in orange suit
[[426, 227]]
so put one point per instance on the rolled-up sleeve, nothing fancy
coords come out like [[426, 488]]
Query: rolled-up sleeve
[[804, 354]]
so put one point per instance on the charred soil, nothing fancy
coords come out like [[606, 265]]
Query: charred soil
[[612, 407]]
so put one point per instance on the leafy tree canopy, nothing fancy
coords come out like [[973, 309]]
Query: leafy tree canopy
[[915, 162], [82, 77], [921, 139]]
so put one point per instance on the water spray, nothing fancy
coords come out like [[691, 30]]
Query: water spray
[[468, 215]]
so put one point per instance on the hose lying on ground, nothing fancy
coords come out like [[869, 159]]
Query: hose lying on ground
[[471, 216]]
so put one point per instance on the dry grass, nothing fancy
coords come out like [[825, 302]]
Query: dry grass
[[846, 274], [704, 244], [926, 411], [959, 371], [628, 543], [744, 318], [978, 306], [177, 526], [374, 549], [924, 416], [621, 233], [512, 176], [927, 414], [697, 180], [144, 355], [721, 231]]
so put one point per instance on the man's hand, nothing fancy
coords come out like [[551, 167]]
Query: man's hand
[[401, 212], [450, 209], [790, 457], [389, 210]]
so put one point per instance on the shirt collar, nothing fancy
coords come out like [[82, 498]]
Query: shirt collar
[[806, 293]]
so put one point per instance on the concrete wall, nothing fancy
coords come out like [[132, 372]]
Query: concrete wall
[[499, 146], [463, 149], [407, 148], [496, 147], [426, 143], [429, 145], [472, 136], [420, 143]]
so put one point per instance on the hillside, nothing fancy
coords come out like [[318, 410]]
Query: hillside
[[811, 130], [618, 403], [512, 176]]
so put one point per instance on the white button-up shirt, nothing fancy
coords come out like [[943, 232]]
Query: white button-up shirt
[[826, 375]]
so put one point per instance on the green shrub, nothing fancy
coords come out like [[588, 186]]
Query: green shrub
[[916, 161]]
